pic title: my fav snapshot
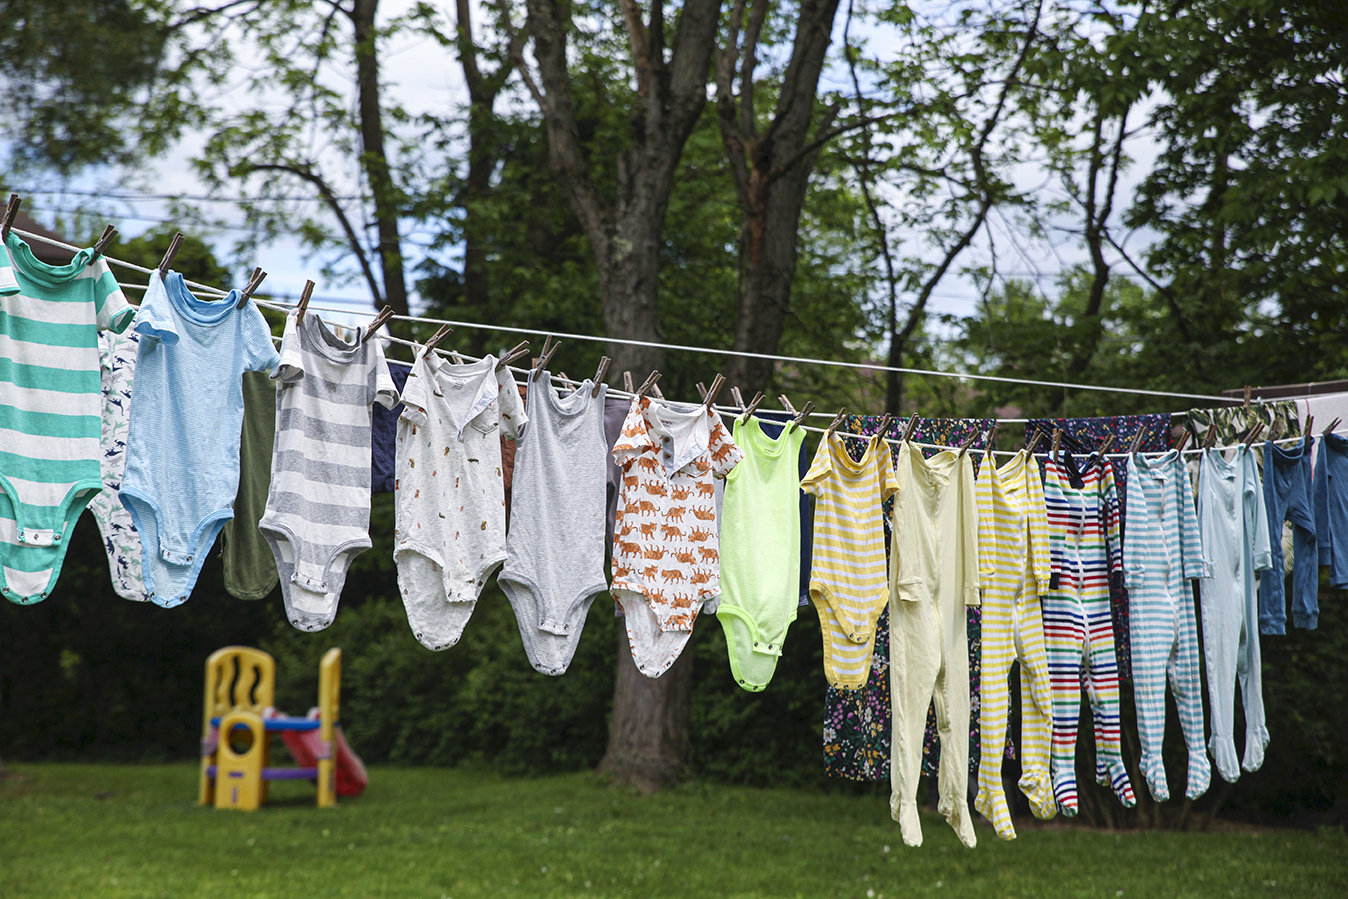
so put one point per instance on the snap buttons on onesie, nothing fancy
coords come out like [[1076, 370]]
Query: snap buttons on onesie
[[50, 400], [318, 508], [449, 492], [666, 560]]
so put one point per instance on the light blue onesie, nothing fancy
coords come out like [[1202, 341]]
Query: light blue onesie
[[1234, 525], [182, 459]]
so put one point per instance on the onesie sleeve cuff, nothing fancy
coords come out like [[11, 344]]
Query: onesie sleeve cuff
[[972, 596], [150, 324], [122, 320]]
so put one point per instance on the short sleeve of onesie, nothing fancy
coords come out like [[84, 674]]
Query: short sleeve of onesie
[[385, 391], [510, 406], [889, 480], [725, 455], [114, 312], [416, 394], [290, 365], [634, 439], [819, 469], [154, 321], [260, 353]]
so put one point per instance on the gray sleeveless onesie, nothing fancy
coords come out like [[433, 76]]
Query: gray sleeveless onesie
[[555, 546]]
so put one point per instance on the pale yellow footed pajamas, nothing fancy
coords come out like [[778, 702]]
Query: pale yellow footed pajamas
[[1014, 569], [848, 584], [933, 569]]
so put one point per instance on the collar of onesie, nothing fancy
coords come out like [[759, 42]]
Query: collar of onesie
[[679, 436], [462, 377]]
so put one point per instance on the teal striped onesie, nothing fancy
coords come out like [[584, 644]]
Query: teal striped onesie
[[51, 403], [1162, 552]]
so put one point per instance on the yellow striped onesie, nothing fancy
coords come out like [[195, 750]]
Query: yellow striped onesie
[[1014, 569], [849, 582]]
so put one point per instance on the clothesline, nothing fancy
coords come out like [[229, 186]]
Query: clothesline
[[773, 357]]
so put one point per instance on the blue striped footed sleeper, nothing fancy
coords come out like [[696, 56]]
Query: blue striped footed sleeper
[[1162, 554]]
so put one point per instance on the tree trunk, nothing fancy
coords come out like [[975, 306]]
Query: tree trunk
[[649, 730], [374, 160], [772, 173]]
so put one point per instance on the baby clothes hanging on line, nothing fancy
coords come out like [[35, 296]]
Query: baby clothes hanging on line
[[1086, 435], [318, 509], [857, 722], [934, 506], [760, 551], [1330, 486], [50, 405], [1014, 568], [449, 494], [1289, 497], [555, 547], [666, 562], [249, 566], [117, 363], [1083, 520], [182, 458], [1233, 526], [772, 424], [384, 434], [848, 584], [1162, 554]]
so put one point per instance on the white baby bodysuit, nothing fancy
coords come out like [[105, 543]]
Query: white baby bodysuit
[[449, 492], [117, 361]]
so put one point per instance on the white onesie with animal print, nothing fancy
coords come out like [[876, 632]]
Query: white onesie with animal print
[[449, 492], [665, 547]]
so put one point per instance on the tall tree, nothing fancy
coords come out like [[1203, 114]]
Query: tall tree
[[622, 216], [771, 165]]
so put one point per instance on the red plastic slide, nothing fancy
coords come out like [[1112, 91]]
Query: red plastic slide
[[307, 745]]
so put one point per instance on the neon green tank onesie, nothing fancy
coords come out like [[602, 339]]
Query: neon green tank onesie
[[760, 551]]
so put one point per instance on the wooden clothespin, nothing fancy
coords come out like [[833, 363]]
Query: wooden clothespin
[[1137, 441], [108, 234], [753, 405], [604, 363], [174, 246], [737, 399], [1034, 441], [1104, 448], [1183, 441], [992, 439], [548, 353], [657, 392], [378, 322], [837, 420], [795, 419], [1248, 391], [969, 441], [648, 384], [885, 421], [1057, 441], [714, 390], [910, 428], [1309, 436], [304, 302], [1254, 433], [701, 391], [11, 210], [786, 403], [515, 352], [627, 383], [1212, 436], [565, 378], [438, 336], [254, 281], [1332, 425]]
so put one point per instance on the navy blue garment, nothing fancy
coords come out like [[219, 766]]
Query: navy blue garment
[[766, 420], [1330, 486], [384, 434], [1287, 495]]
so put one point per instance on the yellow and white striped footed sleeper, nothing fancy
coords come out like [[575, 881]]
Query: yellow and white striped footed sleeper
[[1014, 569]]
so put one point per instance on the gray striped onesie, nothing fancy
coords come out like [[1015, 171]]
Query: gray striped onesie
[[318, 508]]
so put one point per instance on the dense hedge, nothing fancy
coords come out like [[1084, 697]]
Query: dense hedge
[[88, 675]]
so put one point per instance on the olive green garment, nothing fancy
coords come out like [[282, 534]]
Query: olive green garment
[[250, 568], [760, 551]]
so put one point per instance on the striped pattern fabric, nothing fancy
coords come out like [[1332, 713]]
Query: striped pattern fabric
[[1083, 523], [50, 407], [849, 581], [1014, 569], [1162, 553], [318, 508]]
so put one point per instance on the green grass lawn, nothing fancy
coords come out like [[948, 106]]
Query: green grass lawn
[[133, 831]]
